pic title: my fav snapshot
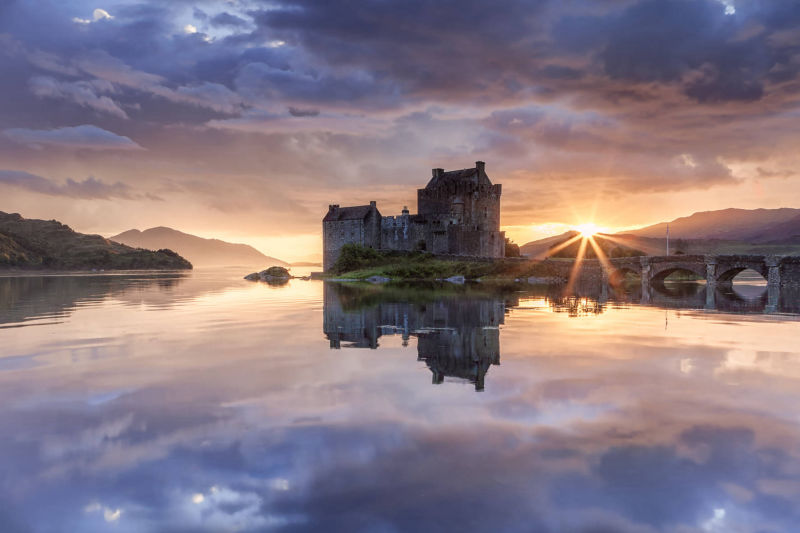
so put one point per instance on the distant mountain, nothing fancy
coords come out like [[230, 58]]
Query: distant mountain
[[757, 231], [783, 233], [200, 251], [746, 225], [49, 244]]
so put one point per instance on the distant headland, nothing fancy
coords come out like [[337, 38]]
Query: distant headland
[[31, 244]]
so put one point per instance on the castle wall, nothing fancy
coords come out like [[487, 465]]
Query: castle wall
[[403, 233], [337, 233]]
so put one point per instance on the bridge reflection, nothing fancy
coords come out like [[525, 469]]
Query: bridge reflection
[[695, 295]]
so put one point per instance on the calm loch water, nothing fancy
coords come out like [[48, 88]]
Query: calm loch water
[[202, 402]]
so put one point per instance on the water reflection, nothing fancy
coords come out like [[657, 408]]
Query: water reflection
[[594, 298], [215, 404], [457, 331], [457, 328], [23, 298]]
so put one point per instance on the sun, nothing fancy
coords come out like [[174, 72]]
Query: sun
[[587, 229]]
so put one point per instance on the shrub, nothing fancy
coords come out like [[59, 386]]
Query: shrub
[[355, 257]]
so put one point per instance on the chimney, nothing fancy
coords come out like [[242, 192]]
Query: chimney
[[480, 166], [437, 172], [373, 203], [405, 209], [332, 208]]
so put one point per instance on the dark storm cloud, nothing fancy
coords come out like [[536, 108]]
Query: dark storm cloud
[[226, 19], [90, 188], [500, 50]]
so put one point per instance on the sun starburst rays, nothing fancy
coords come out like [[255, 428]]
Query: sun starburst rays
[[586, 237]]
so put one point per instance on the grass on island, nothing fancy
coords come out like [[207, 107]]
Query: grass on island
[[359, 262]]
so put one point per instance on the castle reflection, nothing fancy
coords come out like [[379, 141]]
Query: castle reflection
[[457, 328], [457, 332]]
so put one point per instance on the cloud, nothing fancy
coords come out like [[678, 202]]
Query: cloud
[[88, 189], [97, 15], [84, 93], [562, 98], [109, 514], [227, 19], [214, 96], [300, 112], [85, 136]]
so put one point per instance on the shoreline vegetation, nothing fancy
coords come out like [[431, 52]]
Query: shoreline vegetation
[[358, 263]]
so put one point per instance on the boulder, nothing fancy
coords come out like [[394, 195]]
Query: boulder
[[378, 279], [456, 279]]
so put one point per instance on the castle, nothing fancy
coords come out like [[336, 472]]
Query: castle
[[459, 214]]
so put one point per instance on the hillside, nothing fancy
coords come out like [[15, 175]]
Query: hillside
[[729, 231], [200, 251], [48, 244], [745, 225]]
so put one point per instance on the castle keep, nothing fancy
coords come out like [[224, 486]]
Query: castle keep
[[458, 214]]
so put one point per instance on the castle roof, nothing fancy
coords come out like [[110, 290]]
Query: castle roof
[[474, 175], [357, 212]]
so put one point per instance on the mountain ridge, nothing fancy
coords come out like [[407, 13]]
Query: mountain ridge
[[729, 224], [199, 250], [29, 243], [731, 230]]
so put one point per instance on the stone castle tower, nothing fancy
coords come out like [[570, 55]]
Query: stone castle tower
[[458, 214]]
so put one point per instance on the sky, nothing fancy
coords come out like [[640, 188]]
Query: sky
[[244, 119]]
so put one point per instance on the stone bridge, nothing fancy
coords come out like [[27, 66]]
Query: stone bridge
[[717, 270]]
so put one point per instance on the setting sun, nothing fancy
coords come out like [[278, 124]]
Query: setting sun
[[588, 229]]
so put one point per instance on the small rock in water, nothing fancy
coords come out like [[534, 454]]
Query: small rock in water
[[274, 273], [456, 279], [378, 279], [534, 280]]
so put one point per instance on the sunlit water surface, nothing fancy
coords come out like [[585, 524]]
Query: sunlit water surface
[[202, 402]]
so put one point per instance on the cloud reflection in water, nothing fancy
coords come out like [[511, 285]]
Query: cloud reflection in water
[[602, 421]]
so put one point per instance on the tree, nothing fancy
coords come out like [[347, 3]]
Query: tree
[[512, 249]]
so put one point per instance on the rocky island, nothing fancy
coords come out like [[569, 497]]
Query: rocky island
[[30, 244]]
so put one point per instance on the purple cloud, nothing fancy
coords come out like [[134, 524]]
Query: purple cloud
[[90, 188], [86, 137]]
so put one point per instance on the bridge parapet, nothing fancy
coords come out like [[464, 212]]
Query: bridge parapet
[[715, 269], [788, 270]]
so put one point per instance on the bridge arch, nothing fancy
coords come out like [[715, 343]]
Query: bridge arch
[[659, 272], [727, 272]]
